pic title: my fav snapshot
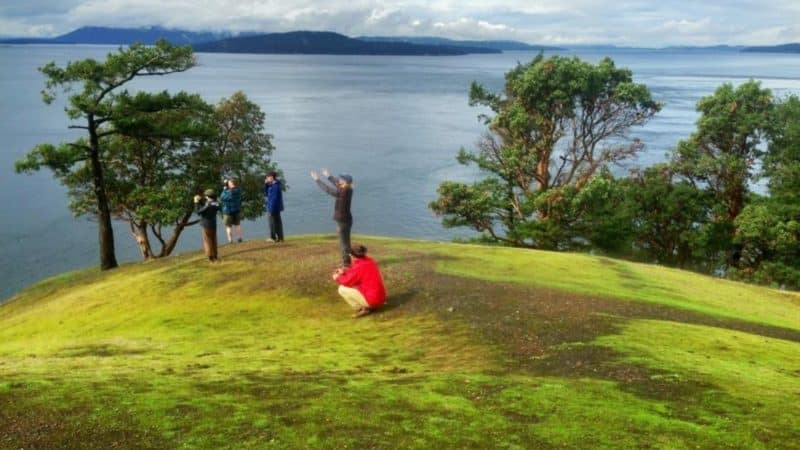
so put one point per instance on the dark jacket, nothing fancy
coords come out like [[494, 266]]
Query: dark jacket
[[231, 199], [344, 196], [207, 210], [273, 197]]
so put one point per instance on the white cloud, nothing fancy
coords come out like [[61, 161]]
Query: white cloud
[[626, 22]]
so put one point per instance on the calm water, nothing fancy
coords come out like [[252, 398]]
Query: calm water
[[394, 123]]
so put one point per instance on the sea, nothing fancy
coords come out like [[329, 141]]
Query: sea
[[395, 123]]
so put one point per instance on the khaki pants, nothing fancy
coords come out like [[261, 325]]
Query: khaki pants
[[210, 243], [353, 298]]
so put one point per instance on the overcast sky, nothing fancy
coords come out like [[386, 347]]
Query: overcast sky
[[622, 22]]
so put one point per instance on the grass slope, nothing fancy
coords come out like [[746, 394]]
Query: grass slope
[[478, 347]]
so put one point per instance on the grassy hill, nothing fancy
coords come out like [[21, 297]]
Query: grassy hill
[[478, 347]]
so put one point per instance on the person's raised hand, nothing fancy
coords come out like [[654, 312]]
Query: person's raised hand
[[325, 173], [314, 175]]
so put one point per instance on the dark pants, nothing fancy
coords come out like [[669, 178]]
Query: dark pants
[[343, 230], [275, 227], [210, 243]]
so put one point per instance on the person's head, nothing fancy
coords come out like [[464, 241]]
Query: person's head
[[231, 183], [272, 176], [209, 193], [358, 251], [345, 181]]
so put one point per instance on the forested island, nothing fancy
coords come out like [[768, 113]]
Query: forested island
[[503, 45], [785, 48], [124, 36], [329, 43]]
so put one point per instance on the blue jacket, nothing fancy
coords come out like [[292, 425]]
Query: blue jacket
[[231, 200], [273, 197]]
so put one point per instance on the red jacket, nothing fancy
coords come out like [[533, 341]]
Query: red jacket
[[365, 276]]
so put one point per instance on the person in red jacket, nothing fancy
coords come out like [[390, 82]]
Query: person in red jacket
[[361, 284]]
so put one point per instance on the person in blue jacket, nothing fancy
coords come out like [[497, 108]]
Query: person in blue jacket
[[273, 196], [231, 199]]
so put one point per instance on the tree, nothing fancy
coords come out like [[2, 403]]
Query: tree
[[724, 151], [98, 108], [168, 149], [668, 216], [768, 229], [557, 123], [240, 149], [150, 181]]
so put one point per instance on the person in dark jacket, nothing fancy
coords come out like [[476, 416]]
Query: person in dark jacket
[[273, 196], [206, 207], [361, 284], [343, 191], [231, 199]]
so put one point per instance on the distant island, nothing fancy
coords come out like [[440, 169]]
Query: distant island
[[329, 43], [784, 48], [124, 36], [296, 42], [497, 45]]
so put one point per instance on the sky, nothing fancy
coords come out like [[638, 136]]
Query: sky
[[621, 22]]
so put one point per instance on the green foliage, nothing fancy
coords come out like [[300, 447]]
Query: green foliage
[[558, 122], [723, 152], [470, 352], [104, 110], [668, 216], [175, 147], [240, 149], [474, 205], [768, 230], [147, 154]]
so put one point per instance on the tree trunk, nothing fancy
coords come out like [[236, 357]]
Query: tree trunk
[[108, 258], [139, 231], [167, 249], [543, 171]]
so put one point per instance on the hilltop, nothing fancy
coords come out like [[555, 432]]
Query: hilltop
[[478, 347]]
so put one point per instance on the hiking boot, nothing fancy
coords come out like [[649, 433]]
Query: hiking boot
[[240, 240]]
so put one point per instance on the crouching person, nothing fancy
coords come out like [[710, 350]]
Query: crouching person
[[361, 284]]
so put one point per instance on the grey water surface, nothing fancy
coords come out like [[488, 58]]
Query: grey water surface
[[394, 123]]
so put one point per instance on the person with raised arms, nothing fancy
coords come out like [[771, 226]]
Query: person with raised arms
[[342, 190]]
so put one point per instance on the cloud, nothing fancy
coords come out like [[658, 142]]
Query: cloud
[[626, 22]]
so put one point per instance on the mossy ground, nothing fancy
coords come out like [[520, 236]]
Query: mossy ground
[[478, 347]]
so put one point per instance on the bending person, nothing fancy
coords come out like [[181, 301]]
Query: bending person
[[206, 206], [343, 191], [361, 284]]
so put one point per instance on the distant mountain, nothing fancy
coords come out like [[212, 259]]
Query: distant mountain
[[328, 43], [672, 48], [123, 36], [714, 48], [496, 45], [785, 48]]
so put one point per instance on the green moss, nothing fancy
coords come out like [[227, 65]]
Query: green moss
[[258, 351], [620, 279]]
